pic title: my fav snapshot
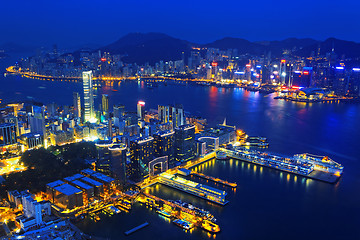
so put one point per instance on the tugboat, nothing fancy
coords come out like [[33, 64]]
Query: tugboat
[[114, 209], [210, 226], [220, 155]]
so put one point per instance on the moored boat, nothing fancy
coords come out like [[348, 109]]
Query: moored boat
[[322, 163], [164, 213], [183, 224], [220, 155]]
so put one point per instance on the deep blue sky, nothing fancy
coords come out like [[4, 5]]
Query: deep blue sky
[[76, 22]]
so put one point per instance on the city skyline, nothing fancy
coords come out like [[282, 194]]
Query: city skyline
[[261, 22], [179, 119]]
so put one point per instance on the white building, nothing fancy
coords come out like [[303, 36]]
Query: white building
[[32, 209]]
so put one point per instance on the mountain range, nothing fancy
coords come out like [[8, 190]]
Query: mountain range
[[153, 47]]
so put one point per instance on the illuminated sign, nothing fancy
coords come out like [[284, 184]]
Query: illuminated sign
[[283, 61], [142, 103], [306, 72], [214, 64], [356, 69], [340, 68], [248, 65], [103, 59]]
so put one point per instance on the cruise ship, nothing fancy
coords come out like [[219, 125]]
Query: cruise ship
[[289, 164], [303, 164], [322, 163]]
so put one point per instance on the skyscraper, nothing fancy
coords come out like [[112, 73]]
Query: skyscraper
[[118, 161], [37, 120], [105, 105], [163, 113], [185, 146], [178, 115], [164, 146], [88, 97], [103, 163], [141, 153], [355, 81], [77, 104], [119, 111], [141, 110]]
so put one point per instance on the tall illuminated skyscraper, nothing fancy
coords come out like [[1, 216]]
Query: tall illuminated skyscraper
[[105, 105], [77, 104], [88, 97]]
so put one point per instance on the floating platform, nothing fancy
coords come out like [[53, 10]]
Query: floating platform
[[136, 228]]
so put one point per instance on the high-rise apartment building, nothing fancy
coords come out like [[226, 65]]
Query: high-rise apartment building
[[177, 115], [164, 113], [7, 134]]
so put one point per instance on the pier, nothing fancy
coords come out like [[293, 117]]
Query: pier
[[136, 228], [203, 220], [194, 188], [217, 180]]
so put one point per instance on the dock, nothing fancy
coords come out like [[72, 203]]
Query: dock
[[199, 190], [127, 233], [217, 180], [180, 212]]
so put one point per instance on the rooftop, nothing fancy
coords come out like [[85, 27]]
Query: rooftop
[[54, 184], [88, 171], [67, 189], [103, 177], [74, 177], [82, 185], [91, 181]]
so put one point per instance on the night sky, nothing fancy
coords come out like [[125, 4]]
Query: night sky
[[76, 22]]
